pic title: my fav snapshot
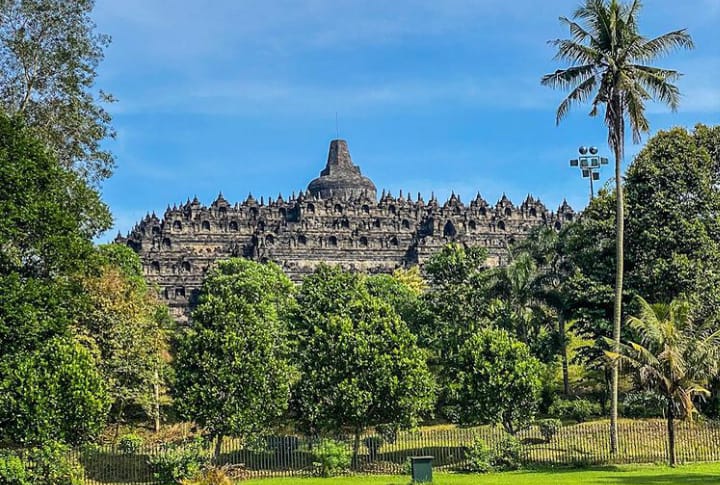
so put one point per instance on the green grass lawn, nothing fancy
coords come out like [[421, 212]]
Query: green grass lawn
[[705, 474]]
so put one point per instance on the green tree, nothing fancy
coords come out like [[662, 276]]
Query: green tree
[[359, 363], [233, 376], [708, 137], [675, 357], [519, 308], [609, 63], [497, 381], [49, 214], [49, 53], [458, 296], [673, 230], [401, 291], [49, 219], [124, 319], [54, 393]]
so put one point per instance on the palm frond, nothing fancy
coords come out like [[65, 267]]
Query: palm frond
[[630, 13], [644, 356], [578, 32], [662, 45], [574, 52], [656, 80], [635, 105], [578, 95], [564, 78]]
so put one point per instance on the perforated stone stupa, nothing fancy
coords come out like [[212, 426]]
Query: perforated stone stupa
[[337, 220]]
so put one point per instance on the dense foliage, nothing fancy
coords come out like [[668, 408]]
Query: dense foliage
[[51, 387], [54, 393], [127, 324], [49, 53], [232, 369], [497, 381], [359, 363]]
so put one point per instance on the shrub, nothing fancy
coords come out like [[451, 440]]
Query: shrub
[[479, 456], [373, 445], [549, 428], [330, 458], [643, 404], [179, 462], [577, 409], [507, 454], [130, 443], [53, 465], [12, 469], [210, 476]]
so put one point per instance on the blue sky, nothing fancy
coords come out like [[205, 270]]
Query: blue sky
[[241, 96]]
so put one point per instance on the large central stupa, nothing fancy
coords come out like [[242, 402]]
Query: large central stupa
[[341, 178]]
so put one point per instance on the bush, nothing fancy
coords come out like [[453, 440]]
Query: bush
[[51, 464], [373, 445], [330, 458], [479, 457], [507, 454], [12, 469], [130, 444], [577, 409], [643, 404], [549, 428], [179, 462], [210, 476]]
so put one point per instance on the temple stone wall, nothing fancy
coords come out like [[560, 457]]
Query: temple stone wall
[[338, 221]]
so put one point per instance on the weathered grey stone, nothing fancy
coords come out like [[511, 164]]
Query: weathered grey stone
[[339, 221]]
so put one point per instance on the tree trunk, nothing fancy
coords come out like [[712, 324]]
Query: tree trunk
[[618, 143], [356, 448], [156, 404], [218, 448], [563, 350], [118, 417], [671, 432]]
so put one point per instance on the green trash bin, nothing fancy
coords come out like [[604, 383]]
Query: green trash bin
[[421, 469]]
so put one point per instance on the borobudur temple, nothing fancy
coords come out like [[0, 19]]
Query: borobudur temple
[[338, 220]]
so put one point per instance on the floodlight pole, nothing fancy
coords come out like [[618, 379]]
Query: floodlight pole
[[589, 165]]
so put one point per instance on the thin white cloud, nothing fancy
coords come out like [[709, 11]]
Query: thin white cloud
[[238, 97]]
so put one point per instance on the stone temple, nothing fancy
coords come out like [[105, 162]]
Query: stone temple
[[338, 219]]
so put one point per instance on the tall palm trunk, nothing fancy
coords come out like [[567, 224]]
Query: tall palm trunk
[[618, 138], [671, 431]]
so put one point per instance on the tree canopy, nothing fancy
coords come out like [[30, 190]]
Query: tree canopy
[[498, 381], [359, 363], [233, 375], [49, 53], [675, 356], [53, 393], [126, 322]]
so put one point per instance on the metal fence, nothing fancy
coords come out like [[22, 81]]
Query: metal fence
[[574, 445]]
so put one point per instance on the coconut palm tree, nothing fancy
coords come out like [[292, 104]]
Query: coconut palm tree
[[674, 357], [609, 67]]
